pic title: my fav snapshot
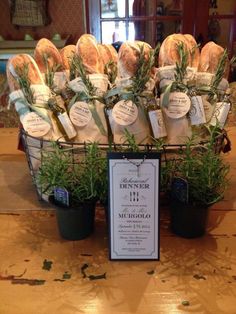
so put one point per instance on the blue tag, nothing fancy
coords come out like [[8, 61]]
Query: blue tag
[[179, 190], [61, 195]]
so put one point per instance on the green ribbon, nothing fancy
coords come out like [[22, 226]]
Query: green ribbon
[[126, 94], [83, 96], [172, 87], [22, 111], [34, 108]]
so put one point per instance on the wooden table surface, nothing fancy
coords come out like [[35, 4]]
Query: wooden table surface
[[41, 273]]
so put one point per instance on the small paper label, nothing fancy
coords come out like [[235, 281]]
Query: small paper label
[[220, 114], [157, 123], [34, 125], [125, 112], [80, 114], [196, 113], [61, 195], [204, 78], [166, 75], [208, 108], [68, 126], [179, 105]]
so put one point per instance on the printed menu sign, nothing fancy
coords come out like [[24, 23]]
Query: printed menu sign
[[134, 205]]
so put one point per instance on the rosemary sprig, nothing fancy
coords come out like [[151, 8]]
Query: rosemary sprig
[[220, 69], [131, 142], [233, 60], [181, 66], [78, 64], [23, 80], [111, 71], [50, 71], [144, 66], [73, 70]]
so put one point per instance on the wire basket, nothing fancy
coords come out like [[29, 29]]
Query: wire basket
[[34, 147]]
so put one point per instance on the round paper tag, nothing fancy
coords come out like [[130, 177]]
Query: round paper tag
[[80, 114], [34, 125], [179, 105], [125, 112]]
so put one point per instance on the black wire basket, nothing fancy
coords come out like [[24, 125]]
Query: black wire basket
[[34, 148]]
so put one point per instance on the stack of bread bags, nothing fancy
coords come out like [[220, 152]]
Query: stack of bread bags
[[177, 51], [129, 112], [87, 109], [211, 78]]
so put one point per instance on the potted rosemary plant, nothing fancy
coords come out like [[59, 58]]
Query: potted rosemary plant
[[200, 180], [72, 184]]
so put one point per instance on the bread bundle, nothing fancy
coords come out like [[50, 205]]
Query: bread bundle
[[129, 113], [170, 54], [178, 61], [213, 71], [50, 64], [93, 79], [210, 57], [29, 94], [67, 54], [211, 83], [86, 109]]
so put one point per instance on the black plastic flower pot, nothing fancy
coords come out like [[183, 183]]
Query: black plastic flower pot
[[75, 223], [187, 220]]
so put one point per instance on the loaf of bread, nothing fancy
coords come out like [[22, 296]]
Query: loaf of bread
[[17, 66], [108, 53], [128, 56], [168, 54], [67, 54], [210, 57], [193, 49], [47, 54], [113, 52], [87, 49]]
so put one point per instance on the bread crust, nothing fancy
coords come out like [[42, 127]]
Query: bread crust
[[168, 54], [210, 57], [86, 48], [108, 53], [46, 48], [113, 52], [194, 51], [128, 57], [67, 54], [15, 66]]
